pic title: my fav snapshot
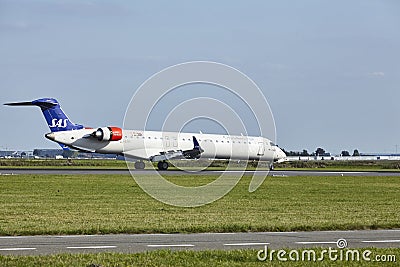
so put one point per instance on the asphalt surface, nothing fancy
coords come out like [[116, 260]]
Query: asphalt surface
[[178, 172], [41, 245]]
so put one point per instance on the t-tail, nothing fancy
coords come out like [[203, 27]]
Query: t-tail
[[52, 112]]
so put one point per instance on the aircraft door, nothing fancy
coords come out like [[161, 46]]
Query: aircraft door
[[167, 143], [261, 149]]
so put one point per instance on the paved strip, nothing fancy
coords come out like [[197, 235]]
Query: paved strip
[[170, 246], [247, 244], [16, 249], [315, 243], [177, 172], [131, 243], [92, 247], [11, 237], [381, 241]]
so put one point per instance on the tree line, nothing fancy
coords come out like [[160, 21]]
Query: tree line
[[319, 152]]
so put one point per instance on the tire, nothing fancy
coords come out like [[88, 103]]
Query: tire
[[139, 165], [162, 165]]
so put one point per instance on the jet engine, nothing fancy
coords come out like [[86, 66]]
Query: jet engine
[[108, 134]]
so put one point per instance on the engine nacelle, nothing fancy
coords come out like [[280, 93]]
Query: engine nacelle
[[108, 134]]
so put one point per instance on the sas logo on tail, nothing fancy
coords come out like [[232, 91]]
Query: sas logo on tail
[[60, 123]]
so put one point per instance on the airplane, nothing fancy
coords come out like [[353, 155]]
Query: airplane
[[154, 146]]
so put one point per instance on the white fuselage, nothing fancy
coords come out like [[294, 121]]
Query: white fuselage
[[146, 144]]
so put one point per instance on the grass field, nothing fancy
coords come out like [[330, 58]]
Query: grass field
[[339, 165], [326, 165], [184, 258], [100, 204], [62, 163]]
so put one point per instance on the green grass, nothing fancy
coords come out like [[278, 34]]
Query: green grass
[[183, 258], [338, 165], [62, 163], [101, 204], [121, 164], [325, 165]]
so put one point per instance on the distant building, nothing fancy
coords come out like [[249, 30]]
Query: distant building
[[54, 154], [59, 154], [15, 154], [7, 154], [47, 153], [88, 155]]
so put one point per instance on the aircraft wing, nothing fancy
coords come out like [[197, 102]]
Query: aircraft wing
[[194, 153]]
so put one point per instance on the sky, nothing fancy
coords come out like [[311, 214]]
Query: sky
[[330, 70]]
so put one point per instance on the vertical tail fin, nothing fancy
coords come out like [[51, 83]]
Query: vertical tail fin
[[55, 117]]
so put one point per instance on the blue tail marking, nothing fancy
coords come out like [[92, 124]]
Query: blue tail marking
[[55, 117]]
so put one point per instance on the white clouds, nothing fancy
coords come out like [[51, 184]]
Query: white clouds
[[377, 74]]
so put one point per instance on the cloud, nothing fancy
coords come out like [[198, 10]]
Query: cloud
[[377, 74], [15, 26]]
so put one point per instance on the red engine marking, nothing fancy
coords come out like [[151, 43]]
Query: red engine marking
[[116, 133]]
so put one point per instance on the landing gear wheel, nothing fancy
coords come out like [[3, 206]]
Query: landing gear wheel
[[139, 165], [271, 167], [162, 165]]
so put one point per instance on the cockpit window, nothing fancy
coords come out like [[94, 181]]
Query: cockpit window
[[272, 144]]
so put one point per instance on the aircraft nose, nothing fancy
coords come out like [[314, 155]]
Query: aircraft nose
[[50, 136], [280, 155]]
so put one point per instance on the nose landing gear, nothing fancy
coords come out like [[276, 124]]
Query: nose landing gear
[[139, 165]]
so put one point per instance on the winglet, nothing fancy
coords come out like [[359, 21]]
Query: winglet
[[196, 145]]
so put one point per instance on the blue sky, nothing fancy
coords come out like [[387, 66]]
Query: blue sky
[[329, 69]]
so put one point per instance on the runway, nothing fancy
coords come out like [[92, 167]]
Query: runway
[[179, 172], [41, 245]]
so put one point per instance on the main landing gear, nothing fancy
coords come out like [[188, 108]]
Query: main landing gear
[[162, 165], [139, 165]]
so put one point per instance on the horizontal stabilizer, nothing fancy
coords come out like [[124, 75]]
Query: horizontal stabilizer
[[19, 104], [52, 112], [41, 104]]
